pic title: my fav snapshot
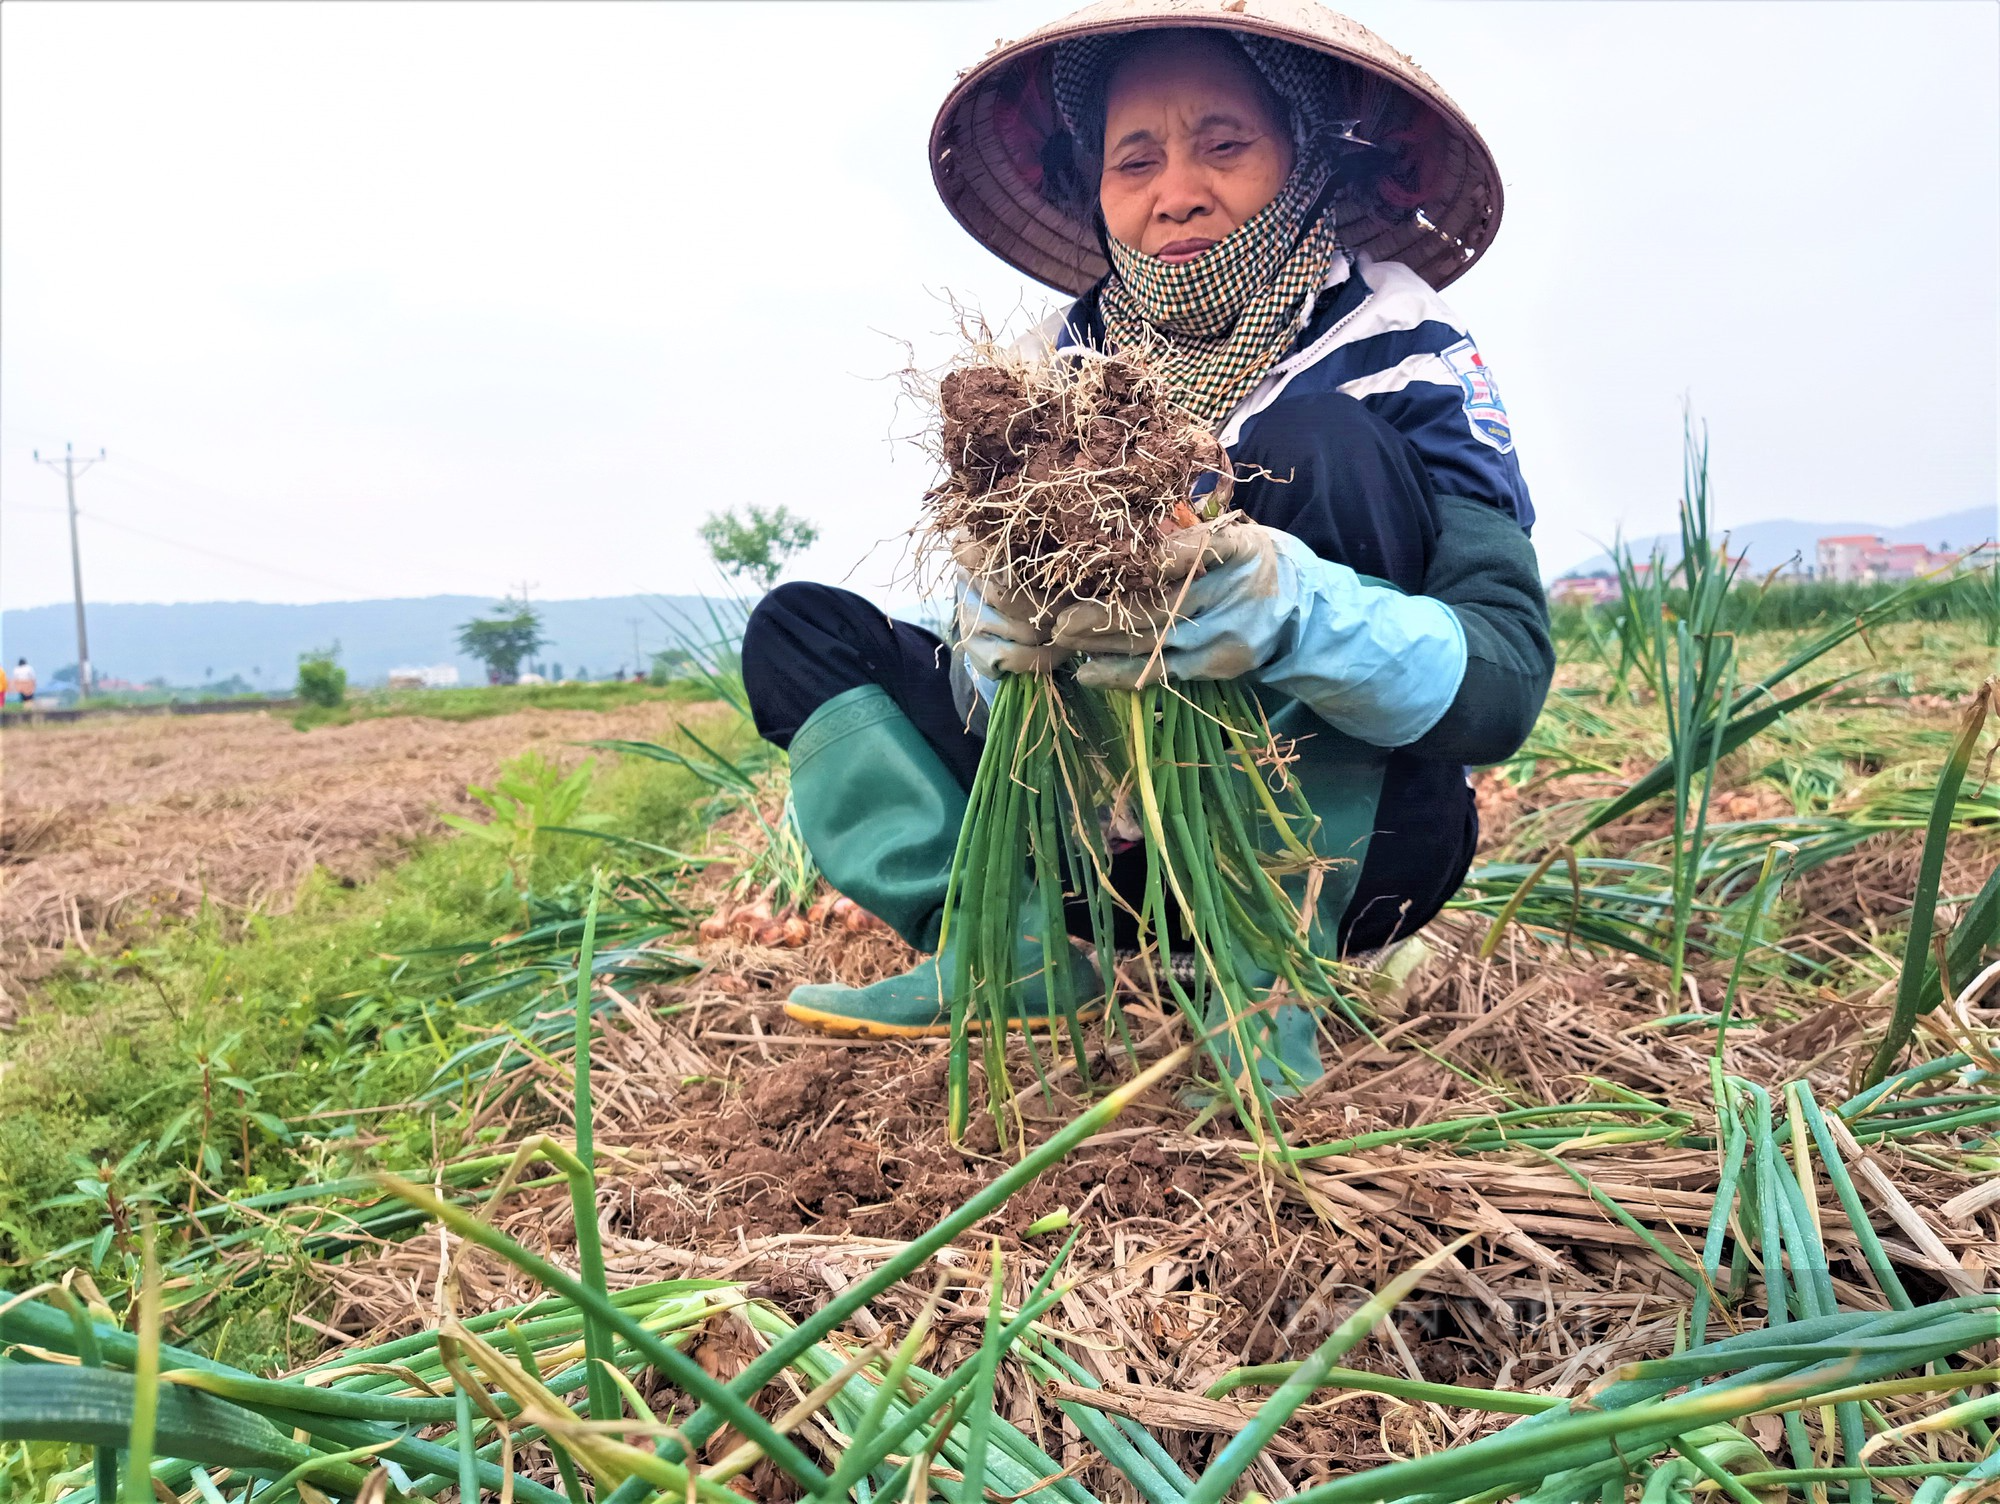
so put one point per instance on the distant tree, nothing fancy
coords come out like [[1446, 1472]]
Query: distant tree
[[322, 681], [64, 675], [670, 664], [757, 545], [503, 640]]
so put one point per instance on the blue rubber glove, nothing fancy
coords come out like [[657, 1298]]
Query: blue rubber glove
[[997, 637], [1372, 662]]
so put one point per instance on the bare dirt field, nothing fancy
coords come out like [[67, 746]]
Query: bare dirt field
[[110, 824]]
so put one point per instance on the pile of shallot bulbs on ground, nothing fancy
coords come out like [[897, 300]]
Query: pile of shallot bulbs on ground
[[755, 924]]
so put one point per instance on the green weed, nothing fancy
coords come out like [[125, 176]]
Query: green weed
[[531, 801], [1782, 606]]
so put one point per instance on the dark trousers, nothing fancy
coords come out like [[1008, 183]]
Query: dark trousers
[[806, 643]]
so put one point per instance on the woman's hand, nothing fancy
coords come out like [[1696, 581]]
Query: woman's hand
[[1372, 662], [1225, 610], [999, 636], [1002, 628]]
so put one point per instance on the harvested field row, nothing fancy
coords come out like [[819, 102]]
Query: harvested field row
[[112, 826]]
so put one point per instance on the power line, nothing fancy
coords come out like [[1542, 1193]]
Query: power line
[[175, 493], [183, 483], [311, 579], [153, 497], [70, 473]]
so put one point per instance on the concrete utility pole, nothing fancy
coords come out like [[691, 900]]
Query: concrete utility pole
[[71, 471], [526, 586]]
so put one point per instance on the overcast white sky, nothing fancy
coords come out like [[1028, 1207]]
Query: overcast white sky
[[398, 299]]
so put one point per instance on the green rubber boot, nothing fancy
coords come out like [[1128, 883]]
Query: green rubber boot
[[879, 810], [1285, 1041], [880, 813], [912, 1006]]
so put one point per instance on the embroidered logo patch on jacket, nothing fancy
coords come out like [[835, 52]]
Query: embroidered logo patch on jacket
[[1484, 413]]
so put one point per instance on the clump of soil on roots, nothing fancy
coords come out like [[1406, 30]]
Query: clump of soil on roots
[[1063, 476]]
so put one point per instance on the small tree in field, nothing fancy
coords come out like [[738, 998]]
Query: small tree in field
[[670, 664], [758, 544], [502, 641], [322, 681]]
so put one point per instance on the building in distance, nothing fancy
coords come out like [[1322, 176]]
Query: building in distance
[[1846, 558], [1864, 558], [436, 676]]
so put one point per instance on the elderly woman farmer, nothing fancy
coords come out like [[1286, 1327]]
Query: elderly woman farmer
[[1268, 196]]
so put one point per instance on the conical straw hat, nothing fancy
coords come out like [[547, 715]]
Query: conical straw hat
[[986, 145]]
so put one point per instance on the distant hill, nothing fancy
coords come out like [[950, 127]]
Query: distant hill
[[1770, 544], [204, 641], [195, 643]]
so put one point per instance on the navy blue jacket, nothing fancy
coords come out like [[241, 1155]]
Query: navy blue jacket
[[1380, 441]]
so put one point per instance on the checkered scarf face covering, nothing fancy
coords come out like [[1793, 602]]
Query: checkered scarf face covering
[[1221, 321]]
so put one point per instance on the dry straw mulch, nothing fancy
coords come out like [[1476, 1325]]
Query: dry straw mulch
[[733, 1146]]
